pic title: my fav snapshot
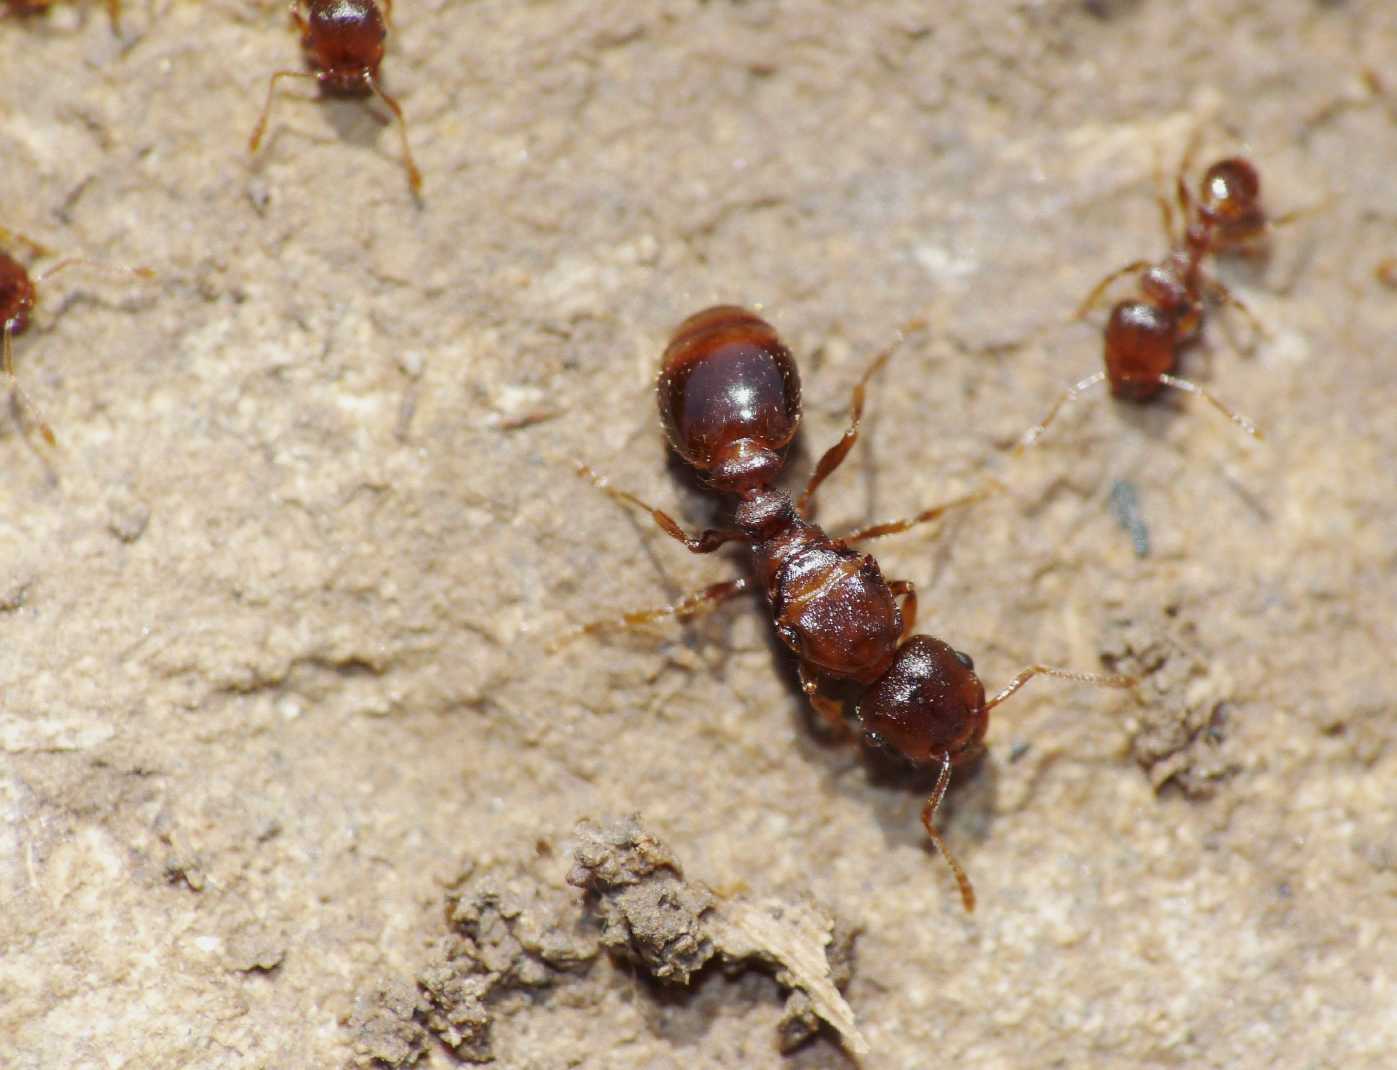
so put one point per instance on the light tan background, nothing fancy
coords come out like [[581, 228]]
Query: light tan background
[[272, 657]]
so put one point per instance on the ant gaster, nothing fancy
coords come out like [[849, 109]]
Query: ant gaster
[[18, 294], [343, 42], [729, 397], [1144, 334]]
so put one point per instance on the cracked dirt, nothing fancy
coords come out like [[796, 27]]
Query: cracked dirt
[[275, 618]]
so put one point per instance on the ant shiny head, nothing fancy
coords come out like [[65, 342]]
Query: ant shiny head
[[1144, 334], [18, 294], [729, 399], [343, 43]]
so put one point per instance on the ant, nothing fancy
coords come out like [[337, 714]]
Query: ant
[[343, 42], [25, 8], [19, 291], [729, 398], [1144, 334]]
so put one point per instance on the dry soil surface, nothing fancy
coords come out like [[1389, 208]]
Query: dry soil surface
[[275, 668]]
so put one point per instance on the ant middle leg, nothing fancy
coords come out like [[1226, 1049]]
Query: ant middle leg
[[694, 604], [893, 527], [1223, 296], [705, 542], [20, 399], [834, 456], [967, 891], [1093, 298], [1034, 433]]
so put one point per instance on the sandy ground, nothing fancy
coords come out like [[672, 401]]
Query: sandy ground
[[274, 665]]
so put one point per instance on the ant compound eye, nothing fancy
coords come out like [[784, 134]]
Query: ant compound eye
[[965, 659], [873, 739]]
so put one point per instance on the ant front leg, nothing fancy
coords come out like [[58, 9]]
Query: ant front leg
[[967, 891], [830, 711], [926, 516], [834, 456], [703, 543], [695, 604]]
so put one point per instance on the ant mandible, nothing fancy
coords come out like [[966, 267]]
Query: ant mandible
[[343, 42], [1144, 334], [18, 294], [729, 397]]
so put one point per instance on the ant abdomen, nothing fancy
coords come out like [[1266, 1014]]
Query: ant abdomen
[[1140, 344], [343, 40], [16, 294], [729, 396], [929, 705]]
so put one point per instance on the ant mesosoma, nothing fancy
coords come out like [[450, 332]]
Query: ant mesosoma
[[729, 397], [343, 42], [18, 293], [1144, 334]]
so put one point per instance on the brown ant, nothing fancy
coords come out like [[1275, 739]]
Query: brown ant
[[25, 8], [18, 293], [343, 42], [729, 397], [1144, 334]]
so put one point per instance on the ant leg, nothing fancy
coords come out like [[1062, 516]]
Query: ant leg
[[1166, 210], [967, 892], [830, 711], [1181, 179], [834, 456], [414, 176], [12, 237], [893, 527], [1221, 294], [93, 265], [1193, 388], [1093, 299], [907, 590], [388, 12], [1099, 679], [298, 18], [114, 14], [703, 543], [1033, 434], [261, 126], [17, 394], [694, 604]]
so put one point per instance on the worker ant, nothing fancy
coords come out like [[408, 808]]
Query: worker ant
[[343, 42], [729, 397], [1144, 334], [19, 291], [25, 8]]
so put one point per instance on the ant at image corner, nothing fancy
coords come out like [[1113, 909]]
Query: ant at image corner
[[343, 44], [729, 398], [1144, 334], [27, 8], [19, 292]]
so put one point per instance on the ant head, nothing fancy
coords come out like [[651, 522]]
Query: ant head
[[1230, 200], [929, 704], [729, 397], [16, 294], [345, 35]]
